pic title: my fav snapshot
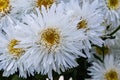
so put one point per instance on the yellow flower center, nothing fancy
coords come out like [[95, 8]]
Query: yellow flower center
[[111, 75], [104, 50], [16, 52], [82, 24], [50, 37], [4, 6], [46, 3], [113, 4]]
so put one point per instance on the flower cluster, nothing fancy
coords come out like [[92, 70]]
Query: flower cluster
[[41, 36]]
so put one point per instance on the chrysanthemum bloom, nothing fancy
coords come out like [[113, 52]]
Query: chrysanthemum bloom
[[11, 56], [111, 10], [108, 70], [89, 19], [52, 40], [13, 9], [10, 7]]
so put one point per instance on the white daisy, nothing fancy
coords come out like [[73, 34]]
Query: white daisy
[[108, 70], [111, 10], [89, 21], [11, 57], [52, 40], [11, 7]]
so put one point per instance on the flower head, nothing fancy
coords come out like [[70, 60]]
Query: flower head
[[52, 46], [108, 70], [11, 55], [89, 18], [111, 11]]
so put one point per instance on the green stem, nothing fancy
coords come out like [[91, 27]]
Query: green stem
[[115, 31], [110, 36]]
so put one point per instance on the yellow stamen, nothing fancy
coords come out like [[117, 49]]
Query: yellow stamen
[[111, 75], [113, 4], [50, 37], [17, 52], [4, 6], [82, 24], [46, 3]]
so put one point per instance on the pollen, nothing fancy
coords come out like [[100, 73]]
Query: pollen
[[17, 52], [104, 50], [113, 4], [4, 6], [82, 24], [111, 75], [46, 3], [50, 37]]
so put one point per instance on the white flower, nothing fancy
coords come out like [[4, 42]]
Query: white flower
[[11, 57], [52, 40], [89, 19], [111, 10], [107, 70], [11, 7]]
